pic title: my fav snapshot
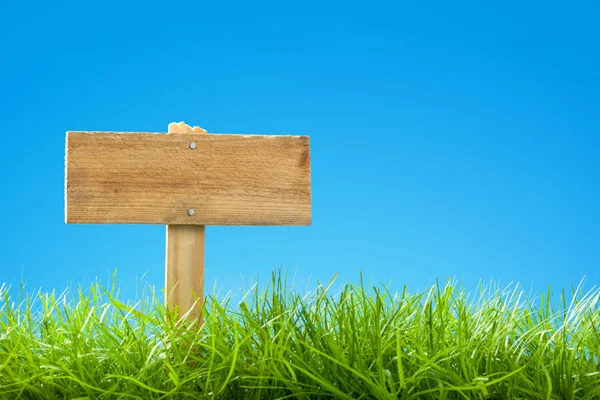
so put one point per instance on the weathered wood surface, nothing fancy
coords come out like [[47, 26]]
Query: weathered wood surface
[[149, 178]]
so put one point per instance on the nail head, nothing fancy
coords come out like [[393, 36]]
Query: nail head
[[190, 212], [193, 145]]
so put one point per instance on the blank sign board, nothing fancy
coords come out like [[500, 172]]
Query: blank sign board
[[187, 179]]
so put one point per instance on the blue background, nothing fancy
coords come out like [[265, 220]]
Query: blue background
[[448, 139]]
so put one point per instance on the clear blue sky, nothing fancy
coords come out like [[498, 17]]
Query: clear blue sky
[[448, 139]]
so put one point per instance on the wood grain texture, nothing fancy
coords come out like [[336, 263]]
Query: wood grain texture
[[149, 178], [184, 273]]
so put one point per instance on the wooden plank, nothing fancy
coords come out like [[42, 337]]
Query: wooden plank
[[149, 178]]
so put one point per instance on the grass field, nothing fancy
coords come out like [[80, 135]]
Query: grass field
[[354, 343]]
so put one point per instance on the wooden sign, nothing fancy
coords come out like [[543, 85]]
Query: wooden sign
[[186, 179]]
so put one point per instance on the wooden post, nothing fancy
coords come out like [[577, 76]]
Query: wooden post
[[184, 269]]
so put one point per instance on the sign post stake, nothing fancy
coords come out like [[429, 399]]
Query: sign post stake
[[184, 267]]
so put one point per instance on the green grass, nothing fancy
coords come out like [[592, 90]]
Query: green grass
[[356, 343]]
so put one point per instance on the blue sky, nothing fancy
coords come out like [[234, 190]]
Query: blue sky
[[448, 139]]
